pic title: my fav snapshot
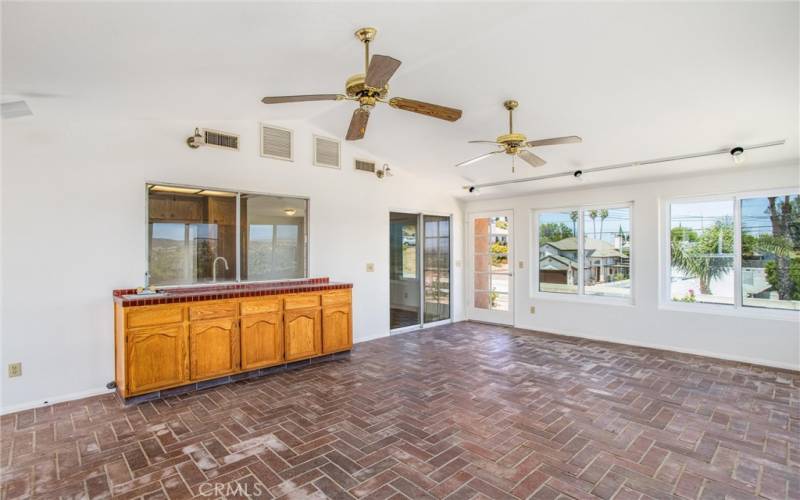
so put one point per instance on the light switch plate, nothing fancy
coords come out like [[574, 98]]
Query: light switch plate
[[14, 370], [521, 264], [533, 309], [458, 263], [370, 267]]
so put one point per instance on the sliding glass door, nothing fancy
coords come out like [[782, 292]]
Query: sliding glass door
[[404, 279], [419, 281]]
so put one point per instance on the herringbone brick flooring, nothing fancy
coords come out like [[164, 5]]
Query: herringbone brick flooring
[[460, 411]]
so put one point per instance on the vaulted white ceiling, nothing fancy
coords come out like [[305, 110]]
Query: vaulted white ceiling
[[635, 80]]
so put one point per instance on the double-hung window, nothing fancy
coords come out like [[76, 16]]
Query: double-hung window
[[583, 251], [197, 235], [735, 251]]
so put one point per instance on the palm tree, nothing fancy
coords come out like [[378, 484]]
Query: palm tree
[[603, 215], [593, 215], [574, 217], [709, 258]]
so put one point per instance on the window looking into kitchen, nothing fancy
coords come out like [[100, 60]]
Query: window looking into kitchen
[[197, 235]]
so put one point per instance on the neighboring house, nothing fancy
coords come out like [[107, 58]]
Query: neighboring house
[[558, 260]]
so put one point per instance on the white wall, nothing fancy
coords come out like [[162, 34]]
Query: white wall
[[758, 340], [73, 229]]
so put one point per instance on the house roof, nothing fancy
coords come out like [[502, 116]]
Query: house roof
[[559, 263], [599, 248]]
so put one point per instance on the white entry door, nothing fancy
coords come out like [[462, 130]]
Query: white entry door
[[491, 282]]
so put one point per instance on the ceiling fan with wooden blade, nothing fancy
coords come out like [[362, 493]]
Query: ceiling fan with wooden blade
[[370, 88], [517, 145]]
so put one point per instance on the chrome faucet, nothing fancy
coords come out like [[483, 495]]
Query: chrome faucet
[[214, 268]]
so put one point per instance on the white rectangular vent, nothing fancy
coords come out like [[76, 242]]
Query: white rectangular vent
[[221, 139], [365, 166], [276, 142], [326, 152]]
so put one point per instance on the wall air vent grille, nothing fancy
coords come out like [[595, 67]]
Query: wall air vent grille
[[365, 166], [276, 142], [222, 140], [326, 152]]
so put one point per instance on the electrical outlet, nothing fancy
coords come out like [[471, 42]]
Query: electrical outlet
[[14, 370], [370, 267], [533, 309]]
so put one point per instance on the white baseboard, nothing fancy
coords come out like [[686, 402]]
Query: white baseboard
[[53, 400], [697, 352]]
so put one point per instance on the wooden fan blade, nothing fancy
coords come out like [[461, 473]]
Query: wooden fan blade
[[358, 124], [531, 158], [301, 98], [570, 139], [424, 108], [483, 142], [478, 158], [380, 70]]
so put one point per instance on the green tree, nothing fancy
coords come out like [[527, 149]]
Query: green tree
[[603, 216], [573, 216], [683, 234], [709, 257], [593, 216], [773, 279], [554, 231]]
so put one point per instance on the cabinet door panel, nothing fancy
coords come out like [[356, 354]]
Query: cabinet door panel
[[302, 333], [336, 328], [262, 340], [155, 358], [213, 348]]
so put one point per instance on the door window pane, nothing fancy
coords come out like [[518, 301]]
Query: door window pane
[[558, 251], [771, 252], [436, 259], [701, 252], [606, 248], [491, 263], [273, 237]]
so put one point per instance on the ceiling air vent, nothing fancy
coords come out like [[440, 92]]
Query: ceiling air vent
[[276, 142], [365, 166], [326, 152], [219, 139]]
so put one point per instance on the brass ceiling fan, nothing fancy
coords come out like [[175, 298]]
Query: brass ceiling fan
[[370, 88], [516, 144]]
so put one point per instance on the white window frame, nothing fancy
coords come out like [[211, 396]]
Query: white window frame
[[665, 260], [580, 295]]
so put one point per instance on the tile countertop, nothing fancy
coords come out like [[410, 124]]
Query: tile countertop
[[127, 297]]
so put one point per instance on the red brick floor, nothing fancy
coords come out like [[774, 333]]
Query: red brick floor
[[460, 411]]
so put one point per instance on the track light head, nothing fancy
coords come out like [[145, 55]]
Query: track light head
[[737, 153]]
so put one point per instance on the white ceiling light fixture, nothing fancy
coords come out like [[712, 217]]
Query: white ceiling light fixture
[[290, 211]]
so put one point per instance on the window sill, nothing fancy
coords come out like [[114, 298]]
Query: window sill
[[583, 299], [725, 310]]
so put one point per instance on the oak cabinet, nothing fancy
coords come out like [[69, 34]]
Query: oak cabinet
[[302, 333], [262, 340], [163, 346], [213, 348], [337, 331], [155, 357]]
